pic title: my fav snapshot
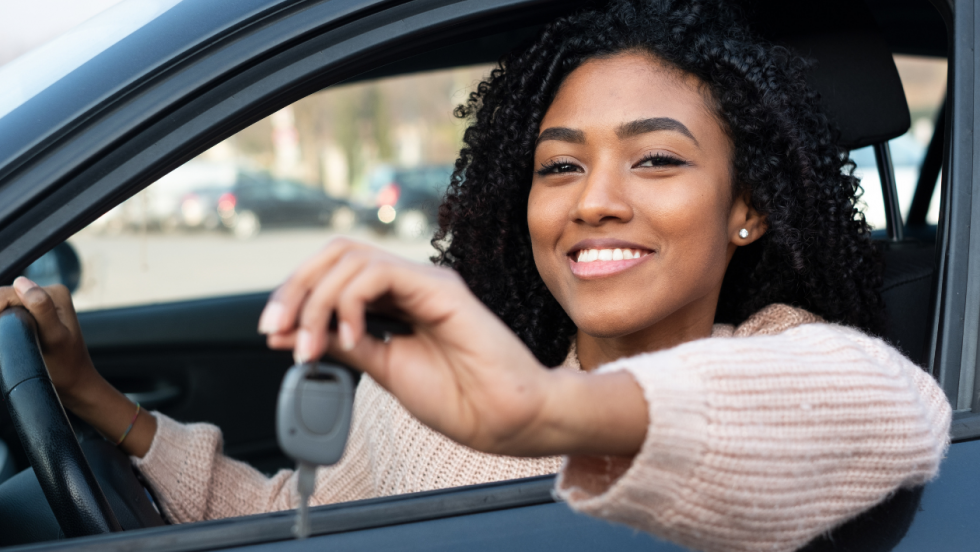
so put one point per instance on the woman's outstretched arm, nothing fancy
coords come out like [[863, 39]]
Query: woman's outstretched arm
[[462, 372], [765, 442]]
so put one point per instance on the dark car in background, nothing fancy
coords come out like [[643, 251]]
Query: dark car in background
[[256, 201], [406, 199]]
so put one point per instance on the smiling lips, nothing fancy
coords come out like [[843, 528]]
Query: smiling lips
[[598, 263]]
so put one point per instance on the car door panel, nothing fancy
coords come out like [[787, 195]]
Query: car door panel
[[541, 527], [522, 515], [200, 360]]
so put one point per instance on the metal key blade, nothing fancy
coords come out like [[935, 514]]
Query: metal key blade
[[305, 480]]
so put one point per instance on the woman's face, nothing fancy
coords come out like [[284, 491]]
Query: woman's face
[[631, 213]]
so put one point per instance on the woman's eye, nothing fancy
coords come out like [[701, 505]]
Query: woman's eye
[[557, 167], [661, 160]]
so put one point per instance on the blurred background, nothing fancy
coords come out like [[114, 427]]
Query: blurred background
[[368, 159], [27, 25]]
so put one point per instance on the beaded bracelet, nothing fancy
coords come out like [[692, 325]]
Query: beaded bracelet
[[130, 428]]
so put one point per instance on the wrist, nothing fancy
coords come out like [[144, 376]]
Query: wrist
[[113, 415], [595, 414]]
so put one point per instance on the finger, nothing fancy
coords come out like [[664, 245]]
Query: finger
[[9, 298], [311, 340], [369, 355], [282, 341], [373, 282], [61, 297], [282, 310], [63, 304], [37, 301]]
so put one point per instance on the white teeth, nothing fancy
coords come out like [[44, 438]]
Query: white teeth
[[590, 255]]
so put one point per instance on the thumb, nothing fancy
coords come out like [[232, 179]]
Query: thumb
[[37, 301]]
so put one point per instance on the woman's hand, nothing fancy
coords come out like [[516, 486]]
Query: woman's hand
[[60, 337], [462, 372], [80, 387]]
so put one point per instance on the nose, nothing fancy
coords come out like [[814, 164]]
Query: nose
[[601, 197]]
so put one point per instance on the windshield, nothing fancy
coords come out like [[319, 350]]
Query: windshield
[[26, 76]]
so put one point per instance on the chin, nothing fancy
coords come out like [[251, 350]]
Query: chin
[[607, 326]]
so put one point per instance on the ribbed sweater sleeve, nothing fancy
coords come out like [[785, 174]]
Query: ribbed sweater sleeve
[[766, 441]]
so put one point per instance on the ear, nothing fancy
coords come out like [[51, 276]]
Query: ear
[[744, 217]]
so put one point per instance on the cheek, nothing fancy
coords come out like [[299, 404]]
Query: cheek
[[545, 221], [694, 221]]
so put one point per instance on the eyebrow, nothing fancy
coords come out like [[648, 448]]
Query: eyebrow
[[625, 130], [562, 134], [655, 124]]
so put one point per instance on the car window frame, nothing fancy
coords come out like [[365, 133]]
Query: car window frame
[[953, 345]]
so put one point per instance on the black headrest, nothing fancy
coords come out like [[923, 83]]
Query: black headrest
[[854, 73], [858, 84]]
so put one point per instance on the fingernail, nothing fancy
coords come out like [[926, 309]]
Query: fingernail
[[271, 320], [304, 347], [346, 335], [22, 284]]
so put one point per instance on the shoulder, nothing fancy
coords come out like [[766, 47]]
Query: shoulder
[[775, 319], [799, 326], [778, 338]]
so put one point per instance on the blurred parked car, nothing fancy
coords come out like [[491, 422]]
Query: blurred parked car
[[160, 207], [257, 201], [406, 199]]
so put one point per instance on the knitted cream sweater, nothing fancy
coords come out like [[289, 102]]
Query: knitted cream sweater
[[760, 438]]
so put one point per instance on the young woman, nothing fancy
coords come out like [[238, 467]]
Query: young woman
[[651, 198]]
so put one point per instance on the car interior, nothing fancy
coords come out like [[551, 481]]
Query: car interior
[[202, 360]]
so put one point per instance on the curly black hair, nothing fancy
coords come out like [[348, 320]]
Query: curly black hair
[[817, 252]]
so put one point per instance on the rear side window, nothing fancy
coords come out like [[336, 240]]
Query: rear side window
[[924, 80]]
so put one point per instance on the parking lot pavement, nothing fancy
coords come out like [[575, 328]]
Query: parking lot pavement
[[135, 269]]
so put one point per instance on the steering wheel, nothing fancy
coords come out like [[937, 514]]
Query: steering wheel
[[72, 489]]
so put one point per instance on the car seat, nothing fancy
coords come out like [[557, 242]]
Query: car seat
[[860, 89]]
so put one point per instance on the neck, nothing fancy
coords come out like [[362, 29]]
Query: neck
[[692, 322]]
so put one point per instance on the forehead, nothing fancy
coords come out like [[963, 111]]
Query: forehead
[[611, 90]]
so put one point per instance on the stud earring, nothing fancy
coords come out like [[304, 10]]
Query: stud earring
[[743, 233]]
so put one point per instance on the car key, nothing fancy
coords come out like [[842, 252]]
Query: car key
[[312, 422]]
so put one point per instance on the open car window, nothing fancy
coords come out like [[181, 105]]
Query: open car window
[[370, 160], [924, 81]]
